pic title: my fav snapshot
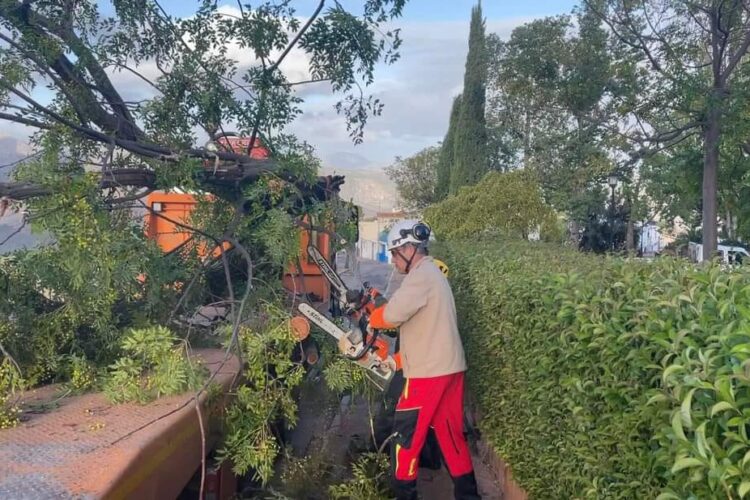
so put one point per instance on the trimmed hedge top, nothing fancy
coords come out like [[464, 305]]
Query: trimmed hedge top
[[606, 378]]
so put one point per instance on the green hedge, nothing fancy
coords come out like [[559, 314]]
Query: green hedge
[[606, 378]]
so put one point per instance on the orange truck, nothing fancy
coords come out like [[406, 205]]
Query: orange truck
[[167, 210]]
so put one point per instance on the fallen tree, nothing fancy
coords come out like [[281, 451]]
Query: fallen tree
[[123, 102]]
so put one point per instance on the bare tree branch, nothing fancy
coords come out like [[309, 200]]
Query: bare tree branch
[[115, 178], [656, 33], [629, 26], [26, 20], [131, 198], [297, 37], [306, 82], [738, 54], [17, 162], [45, 69], [20, 191], [25, 121], [143, 148], [134, 72], [695, 19]]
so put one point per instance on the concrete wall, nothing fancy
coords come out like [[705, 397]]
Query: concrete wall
[[369, 230]]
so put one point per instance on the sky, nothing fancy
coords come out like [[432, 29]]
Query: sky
[[417, 90], [425, 10]]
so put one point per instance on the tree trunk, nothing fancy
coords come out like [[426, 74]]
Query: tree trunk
[[630, 228], [630, 238], [735, 225], [526, 138], [574, 233], [710, 173], [731, 225]]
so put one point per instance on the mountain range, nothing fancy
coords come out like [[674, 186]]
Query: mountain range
[[368, 187]]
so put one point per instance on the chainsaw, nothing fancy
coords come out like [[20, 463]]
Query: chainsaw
[[354, 303], [364, 346]]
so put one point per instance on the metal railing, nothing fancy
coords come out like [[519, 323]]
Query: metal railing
[[368, 249]]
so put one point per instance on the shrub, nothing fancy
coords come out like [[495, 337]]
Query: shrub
[[509, 204], [607, 378]]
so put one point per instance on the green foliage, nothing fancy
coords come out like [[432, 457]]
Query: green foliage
[[447, 152], [524, 116], [342, 375], [10, 384], [416, 177], [586, 80], [509, 204], [199, 87], [673, 179], [278, 236], [77, 293], [369, 482], [266, 395], [555, 99], [154, 365], [697, 93], [305, 477], [607, 378], [70, 305], [604, 228], [470, 161], [345, 218], [82, 374]]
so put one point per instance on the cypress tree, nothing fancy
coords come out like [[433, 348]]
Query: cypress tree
[[445, 162], [470, 148]]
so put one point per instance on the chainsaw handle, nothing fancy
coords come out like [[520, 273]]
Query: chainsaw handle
[[367, 344]]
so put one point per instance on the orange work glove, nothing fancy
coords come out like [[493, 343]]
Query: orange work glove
[[397, 360], [377, 321]]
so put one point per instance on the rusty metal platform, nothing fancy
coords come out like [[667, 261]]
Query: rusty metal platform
[[80, 449]]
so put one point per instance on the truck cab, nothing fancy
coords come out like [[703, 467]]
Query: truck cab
[[729, 255]]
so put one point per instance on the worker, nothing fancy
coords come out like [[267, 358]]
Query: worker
[[433, 363], [382, 420]]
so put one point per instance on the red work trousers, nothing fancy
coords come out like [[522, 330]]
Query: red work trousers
[[435, 402]]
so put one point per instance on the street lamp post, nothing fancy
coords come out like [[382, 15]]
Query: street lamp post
[[612, 181]]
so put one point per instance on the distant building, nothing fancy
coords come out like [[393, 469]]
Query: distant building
[[650, 240], [369, 229], [388, 218], [373, 232]]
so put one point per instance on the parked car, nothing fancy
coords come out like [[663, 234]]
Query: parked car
[[728, 254]]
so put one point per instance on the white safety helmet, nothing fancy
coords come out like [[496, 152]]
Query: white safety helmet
[[408, 231]]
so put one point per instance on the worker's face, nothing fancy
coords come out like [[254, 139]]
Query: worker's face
[[401, 257]]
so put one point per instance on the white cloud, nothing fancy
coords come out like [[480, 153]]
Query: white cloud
[[417, 92], [295, 66]]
